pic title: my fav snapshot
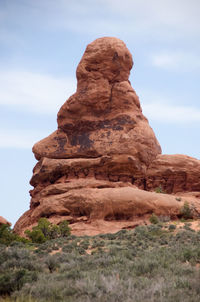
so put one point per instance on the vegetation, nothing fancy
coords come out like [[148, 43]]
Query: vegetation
[[7, 236], [154, 219], [186, 211], [42, 232], [159, 189], [172, 227], [46, 231], [149, 263]]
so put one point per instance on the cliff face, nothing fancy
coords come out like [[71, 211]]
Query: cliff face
[[91, 167]]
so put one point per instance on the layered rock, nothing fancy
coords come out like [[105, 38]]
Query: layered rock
[[92, 167], [174, 173]]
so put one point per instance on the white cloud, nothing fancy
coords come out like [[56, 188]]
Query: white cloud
[[163, 18], [168, 12], [164, 112], [34, 92], [139, 18], [167, 19], [176, 61], [168, 110], [20, 138]]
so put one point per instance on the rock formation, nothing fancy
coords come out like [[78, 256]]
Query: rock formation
[[174, 173], [4, 221], [103, 161]]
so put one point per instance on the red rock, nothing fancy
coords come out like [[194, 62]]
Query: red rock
[[120, 203], [4, 221], [89, 170], [104, 116], [174, 173]]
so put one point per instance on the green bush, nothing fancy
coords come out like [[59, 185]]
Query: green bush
[[36, 235], [172, 227], [186, 211], [7, 236], [64, 228], [14, 280], [154, 219], [46, 231]]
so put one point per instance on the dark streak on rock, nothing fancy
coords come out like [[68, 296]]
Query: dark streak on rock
[[83, 128], [81, 139], [61, 142]]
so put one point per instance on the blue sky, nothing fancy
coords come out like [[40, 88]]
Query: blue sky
[[41, 43]]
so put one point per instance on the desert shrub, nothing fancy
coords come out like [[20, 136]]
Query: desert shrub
[[80, 250], [172, 227], [186, 211], [46, 231], [146, 267], [144, 264], [68, 248], [120, 235], [14, 280], [187, 226], [108, 236], [12, 258], [85, 244], [154, 219], [52, 263]]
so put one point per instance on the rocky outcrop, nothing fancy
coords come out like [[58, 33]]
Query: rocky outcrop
[[104, 116], [104, 157], [174, 173], [4, 221]]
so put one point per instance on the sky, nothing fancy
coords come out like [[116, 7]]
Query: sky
[[41, 44]]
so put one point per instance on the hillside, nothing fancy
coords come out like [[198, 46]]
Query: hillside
[[158, 262]]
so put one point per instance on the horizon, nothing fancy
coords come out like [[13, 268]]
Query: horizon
[[41, 46]]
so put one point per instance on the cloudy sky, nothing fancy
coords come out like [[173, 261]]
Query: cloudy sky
[[41, 43]]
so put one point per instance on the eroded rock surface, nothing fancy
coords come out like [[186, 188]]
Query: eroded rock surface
[[104, 116], [104, 157], [174, 173]]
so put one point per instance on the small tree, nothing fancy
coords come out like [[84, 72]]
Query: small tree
[[36, 236], [186, 211], [45, 231], [7, 236], [45, 226], [64, 228]]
